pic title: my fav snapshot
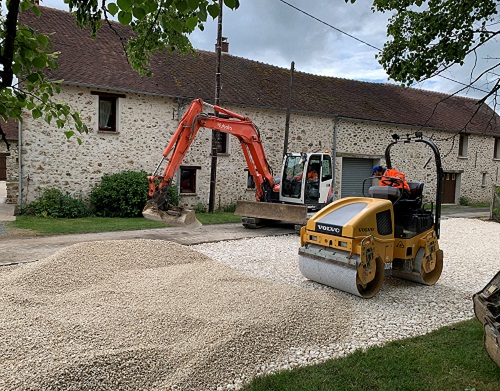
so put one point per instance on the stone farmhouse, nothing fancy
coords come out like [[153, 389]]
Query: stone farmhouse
[[132, 118]]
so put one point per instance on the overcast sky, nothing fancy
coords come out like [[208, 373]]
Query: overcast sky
[[272, 32]]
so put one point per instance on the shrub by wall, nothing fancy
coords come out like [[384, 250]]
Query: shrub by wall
[[54, 203]]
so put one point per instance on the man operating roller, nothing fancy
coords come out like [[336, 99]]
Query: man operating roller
[[391, 177]]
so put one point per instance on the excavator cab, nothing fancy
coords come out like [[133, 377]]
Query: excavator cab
[[306, 179]]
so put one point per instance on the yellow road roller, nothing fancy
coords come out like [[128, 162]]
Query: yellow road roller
[[354, 242]]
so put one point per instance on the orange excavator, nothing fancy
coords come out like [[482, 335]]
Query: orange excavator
[[289, 197]]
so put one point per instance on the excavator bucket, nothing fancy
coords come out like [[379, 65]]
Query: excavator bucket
[[176, 216], [296, 214], [487, 311]]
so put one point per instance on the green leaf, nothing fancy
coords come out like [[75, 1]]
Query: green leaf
[[36, 10], [39, 62], [124, 18], [33, 77], [182, 6], [42, 40], [69, 133], [192, 22], [213, 10], [36, 114], [139, 13], [112, 8], [231, 3], [193, 4], [16, 68], [176, 25], [124, 4]]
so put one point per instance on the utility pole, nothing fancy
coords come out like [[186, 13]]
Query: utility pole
[[215, 134], [287, 123]]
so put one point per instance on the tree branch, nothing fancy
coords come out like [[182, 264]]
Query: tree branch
[[7, 75]]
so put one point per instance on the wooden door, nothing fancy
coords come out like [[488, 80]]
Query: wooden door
[[3, 167], [449, 188]]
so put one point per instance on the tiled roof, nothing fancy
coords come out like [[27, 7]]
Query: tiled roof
[[101, 63]]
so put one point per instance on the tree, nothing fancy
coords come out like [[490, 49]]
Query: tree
[[26, 54], [428, 37]]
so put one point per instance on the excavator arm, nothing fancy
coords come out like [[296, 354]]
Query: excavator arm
[[225, 121]]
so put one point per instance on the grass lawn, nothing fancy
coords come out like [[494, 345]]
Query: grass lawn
[[451, 358], [54, 226]]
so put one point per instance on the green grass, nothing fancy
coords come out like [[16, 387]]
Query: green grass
[[53, 226], [451, 358]]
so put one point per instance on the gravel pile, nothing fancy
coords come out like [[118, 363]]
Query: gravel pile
[[155, 315]]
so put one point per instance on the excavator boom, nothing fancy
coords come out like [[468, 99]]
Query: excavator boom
[[158, 207]]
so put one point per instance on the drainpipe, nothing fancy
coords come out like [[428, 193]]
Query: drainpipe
[[334, 157], [20, 158]]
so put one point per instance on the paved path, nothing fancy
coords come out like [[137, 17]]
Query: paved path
[[18, 249]]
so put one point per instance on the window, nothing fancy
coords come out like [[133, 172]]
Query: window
[[222, 142], [108, 110], [463, 145], [107, 114], [250, 181], [496, 151], [483, 180], [188, 179], [326, 171]]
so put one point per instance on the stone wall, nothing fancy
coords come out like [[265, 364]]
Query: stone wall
[[12, 193], [146, 123], [12, 159]]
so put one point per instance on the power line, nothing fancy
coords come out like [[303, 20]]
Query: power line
[[370, 45], [329, 25]]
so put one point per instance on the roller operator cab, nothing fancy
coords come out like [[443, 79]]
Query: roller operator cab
[[354, 242]]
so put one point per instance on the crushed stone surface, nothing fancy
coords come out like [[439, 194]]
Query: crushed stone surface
[[156, 315]]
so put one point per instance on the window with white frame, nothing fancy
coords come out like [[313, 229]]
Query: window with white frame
[[108, 111], [496, 150], [463, 145]]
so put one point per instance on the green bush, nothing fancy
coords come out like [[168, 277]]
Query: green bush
[[229, 208], [124, 194], [200, 207], [463, 200], [54, 203], [120, 195]]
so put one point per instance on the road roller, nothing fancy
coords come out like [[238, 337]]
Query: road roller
[[354, 242]]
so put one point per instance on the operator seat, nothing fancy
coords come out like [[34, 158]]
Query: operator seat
[[414, 199]]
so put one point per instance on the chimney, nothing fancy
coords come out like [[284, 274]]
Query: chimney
[[224, 45]]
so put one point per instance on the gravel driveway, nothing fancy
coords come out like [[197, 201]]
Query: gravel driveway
[[156, 315]]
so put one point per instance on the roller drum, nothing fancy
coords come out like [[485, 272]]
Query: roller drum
[[419, 273], [337, 269]]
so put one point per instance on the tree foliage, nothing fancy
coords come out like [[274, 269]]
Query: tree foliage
[[25, 54], [427, 37]]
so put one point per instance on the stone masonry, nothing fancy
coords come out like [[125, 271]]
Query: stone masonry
[[146, 123]]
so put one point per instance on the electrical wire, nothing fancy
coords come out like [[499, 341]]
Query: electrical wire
[[369, 44]]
